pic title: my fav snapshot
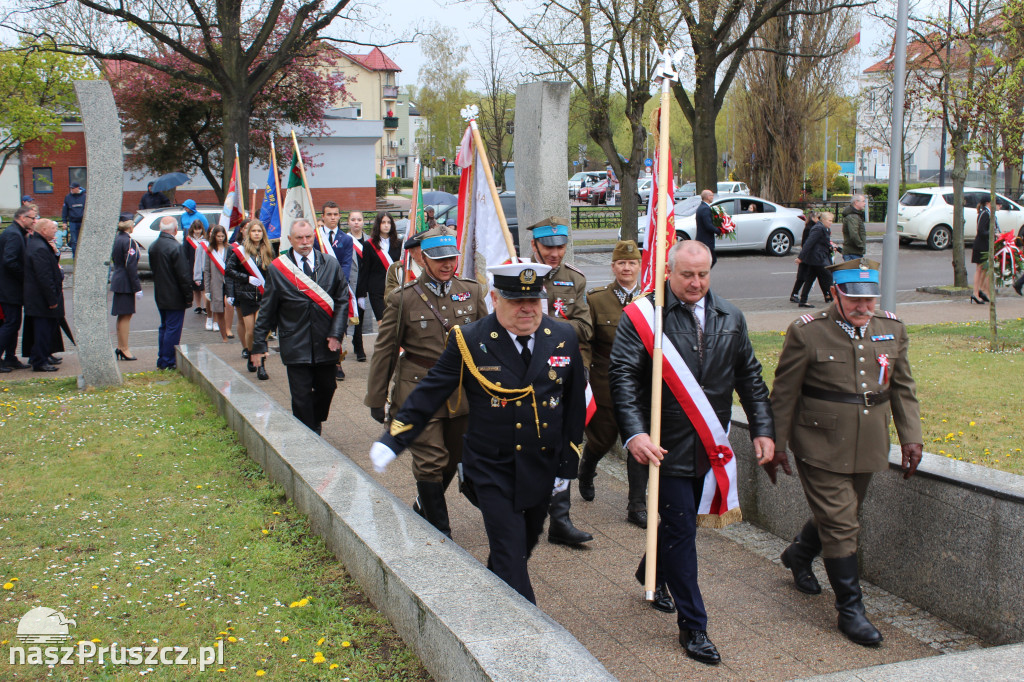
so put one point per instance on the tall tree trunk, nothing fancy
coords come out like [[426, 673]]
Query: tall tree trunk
[[958, 176], [236, 110], [705, 146]]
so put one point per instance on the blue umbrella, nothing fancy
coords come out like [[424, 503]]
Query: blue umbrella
[[169, 181], [442, 198]]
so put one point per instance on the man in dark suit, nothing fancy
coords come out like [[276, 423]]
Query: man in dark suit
[[44, 293], [706, 230], [12, 279], [306, 300], [172, 290], [705, 338], [524, 380]]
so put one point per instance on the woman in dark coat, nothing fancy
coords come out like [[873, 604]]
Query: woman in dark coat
[[817, 255], [259, 254], [44, 294], [979, 253], [125, 283], [372, 270], [193, 249], [802, 272]]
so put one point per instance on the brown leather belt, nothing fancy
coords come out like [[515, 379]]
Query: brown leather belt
[[867, 399], [426, 363]]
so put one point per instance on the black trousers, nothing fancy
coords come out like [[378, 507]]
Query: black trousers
[[511, 536], [43, 329], [677, 549], [312, 388], [9, 331], [818, 272]]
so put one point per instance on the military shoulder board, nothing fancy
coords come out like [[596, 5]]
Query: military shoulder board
[[597, 289], [573, 267], [807, 318], [890, 315]]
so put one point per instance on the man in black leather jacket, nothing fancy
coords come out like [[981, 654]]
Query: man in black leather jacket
[[725, 363], [302, 286]]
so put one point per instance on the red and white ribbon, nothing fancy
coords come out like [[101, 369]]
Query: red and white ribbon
[[383, 254], [304, 284], [883, 369], [214, 257], [249, 264], [591, 403], [559, 307], [720, 493]]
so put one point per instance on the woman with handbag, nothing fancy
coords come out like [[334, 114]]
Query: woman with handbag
[[125, 283]]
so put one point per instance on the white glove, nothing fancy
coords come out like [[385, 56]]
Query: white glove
[[138, 294], [361, 302], [381, 456], [231, 300], [207, 295], [561, 485], [253, 281]]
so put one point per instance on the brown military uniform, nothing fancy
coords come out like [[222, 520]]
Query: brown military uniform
[[605, 311], [422, 339], [838, 445], [393, 278], [566, 289]]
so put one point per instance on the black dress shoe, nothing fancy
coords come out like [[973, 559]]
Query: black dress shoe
[[360, 358], [261, 373], [805, 305], [4, 369], [699, 647], [245, 353], [982, 296], [340, 375], [794, 298], [16, 364], [249, 366], [121, 355], [637, 518], [663, 600], [44, 368], [54, 360], [975, 299]]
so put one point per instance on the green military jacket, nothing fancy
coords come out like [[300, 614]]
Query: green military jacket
[[567, 301], [835, 436], [605, 311]]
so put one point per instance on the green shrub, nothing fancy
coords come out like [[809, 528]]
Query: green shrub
[[841, 185], [382, 188]]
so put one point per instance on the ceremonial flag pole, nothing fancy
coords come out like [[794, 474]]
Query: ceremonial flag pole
[[470, 113], [321, 236], [241, 190], [667, 74]]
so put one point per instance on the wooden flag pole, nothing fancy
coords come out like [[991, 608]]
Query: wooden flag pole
[[238, 179], [305, 183], [478, 144], [414, 204], [277, 182], [661, 240]]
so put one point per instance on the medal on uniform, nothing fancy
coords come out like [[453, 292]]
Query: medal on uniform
[[494, 335], [495, 402], [552, 374], [553, 401], [883, 368]]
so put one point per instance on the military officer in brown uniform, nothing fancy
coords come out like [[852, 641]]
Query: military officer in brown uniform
[[566, 289], [842, 375], [417, 319], [606, 304]]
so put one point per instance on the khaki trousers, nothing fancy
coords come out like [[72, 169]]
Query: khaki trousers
[[835, 501]]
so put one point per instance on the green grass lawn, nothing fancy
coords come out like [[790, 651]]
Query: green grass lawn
[[135, 512], [972, 400]]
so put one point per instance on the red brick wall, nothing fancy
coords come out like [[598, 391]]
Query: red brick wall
[[33, 156]]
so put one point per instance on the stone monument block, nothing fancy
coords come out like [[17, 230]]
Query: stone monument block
[[542, 137], [102, 208]]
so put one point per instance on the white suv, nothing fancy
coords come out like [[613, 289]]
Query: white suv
[[732, 187], [928, 214], [147, 226]]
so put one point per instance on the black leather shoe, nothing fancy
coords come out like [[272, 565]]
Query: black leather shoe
[[794, 298], [360, 358], [637, 518], [799, 558], [249, 366], [261, 373], [44, 368], [560, 529], [4, 369], [54, 360], [663, 600], [805, 305], [853, 622], [245, 353], [699, 647], [17, 364], [340, 376]]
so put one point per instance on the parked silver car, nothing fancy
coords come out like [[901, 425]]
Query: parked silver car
[[760, 224], [147, 226]]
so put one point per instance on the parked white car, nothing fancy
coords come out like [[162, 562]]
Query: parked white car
[[731, 187], [643, 190], [928, 214], [147, 226], [760, 224]]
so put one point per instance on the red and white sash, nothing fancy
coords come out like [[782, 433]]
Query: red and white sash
[[353, 314], [193, 243], [304, 284], [384, 256], [217, 260], [249, 264], [357, 246], [591, 403], [719, 503]]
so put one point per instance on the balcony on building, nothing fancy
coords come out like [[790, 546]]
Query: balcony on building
[[390, 92], [390, 123]]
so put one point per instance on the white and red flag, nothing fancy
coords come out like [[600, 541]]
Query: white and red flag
[[648, 256], [233, 212], [479, 235]]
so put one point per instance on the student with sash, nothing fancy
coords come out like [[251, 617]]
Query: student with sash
[[381, 250], [355, 231], [213, 276], [707, 355], [194, 238], [306, 300], [247, 269]]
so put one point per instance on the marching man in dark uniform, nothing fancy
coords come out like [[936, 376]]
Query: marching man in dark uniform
[[606, 304], [842, 374], [417, 319], [566, 289], [524, 383]]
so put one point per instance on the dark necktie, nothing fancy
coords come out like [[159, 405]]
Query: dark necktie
[[332, 237], [700, 331], [305, 267], [525, 354]]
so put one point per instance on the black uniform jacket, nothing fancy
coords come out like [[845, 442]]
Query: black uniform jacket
[[172, 277], [506, 445], [124, 265], [729, 363], [12, 264], [44, 281], [303, 326]]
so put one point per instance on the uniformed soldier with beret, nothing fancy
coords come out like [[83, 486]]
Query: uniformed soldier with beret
[[566, 289], [606, 304], [524, 384], [842, 375], [417, 320]]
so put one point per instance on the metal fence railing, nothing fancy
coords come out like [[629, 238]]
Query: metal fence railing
[[589, 218]]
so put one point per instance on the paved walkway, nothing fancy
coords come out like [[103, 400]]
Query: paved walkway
[[763, 627]]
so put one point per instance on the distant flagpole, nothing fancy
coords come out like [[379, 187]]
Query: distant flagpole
[[277, 182], [238, 179]]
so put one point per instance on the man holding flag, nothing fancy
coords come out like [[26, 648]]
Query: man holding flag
[[707, 355]]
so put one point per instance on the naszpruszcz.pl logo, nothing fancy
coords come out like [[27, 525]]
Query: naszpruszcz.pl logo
[[42, 629]]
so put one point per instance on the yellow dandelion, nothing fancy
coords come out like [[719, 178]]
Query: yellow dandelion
[[971, 424], [318, 657], [265, 531], [284, 640], [261, 673], [222, 633], [222, 670], [232, 639], [96, 641], [346, 644], [277, 513], [332, 666], [302, 660], [8, 586], [321, 641]]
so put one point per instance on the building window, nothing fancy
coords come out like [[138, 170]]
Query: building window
[[78, 174], [358, 106], [42, 181]]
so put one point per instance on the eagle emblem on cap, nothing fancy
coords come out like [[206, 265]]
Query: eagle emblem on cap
[[527, 276]]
